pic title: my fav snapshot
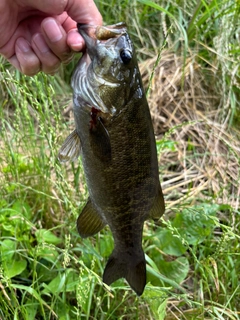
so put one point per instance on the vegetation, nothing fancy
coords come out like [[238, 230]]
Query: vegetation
[[190, 51]]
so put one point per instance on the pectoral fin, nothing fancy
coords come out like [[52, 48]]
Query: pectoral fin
[[100, 141], [89, 221], [71, 148], [158, 207]]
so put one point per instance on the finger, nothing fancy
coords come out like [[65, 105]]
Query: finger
[[48, 6], [84, 11], [25, 30], [49, 62], [29, 63], [56, 39], [75, 41]]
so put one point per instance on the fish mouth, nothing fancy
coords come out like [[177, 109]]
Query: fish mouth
[[92, 34]]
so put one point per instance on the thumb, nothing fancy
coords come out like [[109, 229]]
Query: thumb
[[53, 7], [83, 11]]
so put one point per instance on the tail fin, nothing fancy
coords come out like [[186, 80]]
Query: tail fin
[[128, 265]]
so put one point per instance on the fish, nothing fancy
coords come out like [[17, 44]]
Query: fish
[[114, 135]]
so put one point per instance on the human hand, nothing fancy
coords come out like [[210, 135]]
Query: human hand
[[37, 35]]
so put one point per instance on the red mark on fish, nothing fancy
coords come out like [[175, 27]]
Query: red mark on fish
[[93, 121]]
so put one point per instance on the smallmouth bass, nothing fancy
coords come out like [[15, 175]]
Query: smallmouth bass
[[115, 137]]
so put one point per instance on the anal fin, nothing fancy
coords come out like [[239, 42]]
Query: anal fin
[[158, 207], [89, 221]]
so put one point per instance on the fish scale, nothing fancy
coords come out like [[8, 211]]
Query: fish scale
[[115, 134]]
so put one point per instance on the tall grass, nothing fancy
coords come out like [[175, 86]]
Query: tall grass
[[46, 270]]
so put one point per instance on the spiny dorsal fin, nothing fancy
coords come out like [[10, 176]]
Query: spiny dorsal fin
[[89, 221], [158, 207], [71, 148]]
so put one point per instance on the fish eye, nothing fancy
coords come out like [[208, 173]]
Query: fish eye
[[126, 56]]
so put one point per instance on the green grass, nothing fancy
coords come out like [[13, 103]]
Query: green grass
[[193, 256]]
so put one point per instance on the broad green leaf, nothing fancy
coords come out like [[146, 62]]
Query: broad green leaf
[[47, 236], [169, 243], [63, 283], [176, 270], [158, 277], [22, 208], [106, 245], [15, 219], [56, 285], [48, 253], [46, 269], [195, 224], [7, 249], [156, 300], [14, 267], [31, 308]]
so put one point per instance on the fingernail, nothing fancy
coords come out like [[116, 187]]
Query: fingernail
[[40, 43], [74, 40], [22, 45], [52, 30]]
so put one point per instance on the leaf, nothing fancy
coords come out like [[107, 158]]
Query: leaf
[[63, 282], [46, 269], [195, 224], [48, 253], [161, 310], [14, 267], [47, 236], [166, 145], [176, 270], [106, 245], [156, 299], [56, 285], [8, 248], [31, 307], [157, 277], [22, 208], [169, 243]]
